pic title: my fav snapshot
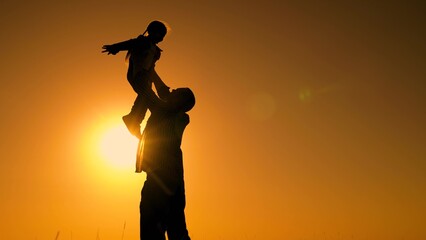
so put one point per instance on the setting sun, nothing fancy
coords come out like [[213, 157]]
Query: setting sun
[[118, 147], [309, 120]]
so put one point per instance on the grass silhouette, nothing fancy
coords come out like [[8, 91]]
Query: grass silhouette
[[97, 233]]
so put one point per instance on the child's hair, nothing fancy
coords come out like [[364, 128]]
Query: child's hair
[[156, 26]]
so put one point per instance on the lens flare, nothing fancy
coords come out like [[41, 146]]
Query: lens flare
[[305, 95], [261, 106]]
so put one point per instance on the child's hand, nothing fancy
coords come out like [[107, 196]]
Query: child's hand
[[110, 49]]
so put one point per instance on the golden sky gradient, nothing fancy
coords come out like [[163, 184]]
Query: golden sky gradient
[[309, 121]]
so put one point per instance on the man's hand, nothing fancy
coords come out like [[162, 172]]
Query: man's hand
[[110, 49]]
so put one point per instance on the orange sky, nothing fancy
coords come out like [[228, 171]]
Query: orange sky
[[309, 122]]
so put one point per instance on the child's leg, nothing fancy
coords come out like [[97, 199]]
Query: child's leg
[[136, 115], [139, 109]]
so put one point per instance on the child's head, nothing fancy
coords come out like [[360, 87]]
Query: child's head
[[156, 31], [182, 98]]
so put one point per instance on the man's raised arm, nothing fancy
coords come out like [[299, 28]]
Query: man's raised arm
[[153, 102], [162, 89]]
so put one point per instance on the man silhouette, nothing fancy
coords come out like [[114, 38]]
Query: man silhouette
[[160, 156]]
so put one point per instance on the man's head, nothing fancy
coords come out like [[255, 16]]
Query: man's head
[[156, 31], [182, 99]]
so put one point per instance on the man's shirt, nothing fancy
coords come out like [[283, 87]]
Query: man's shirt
[[159, 148]]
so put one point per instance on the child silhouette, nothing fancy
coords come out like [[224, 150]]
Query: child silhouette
[[142, 53]]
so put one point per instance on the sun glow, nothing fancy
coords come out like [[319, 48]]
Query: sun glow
[[117, 147]]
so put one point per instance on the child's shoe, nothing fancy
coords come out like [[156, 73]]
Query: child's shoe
[[132, 125]]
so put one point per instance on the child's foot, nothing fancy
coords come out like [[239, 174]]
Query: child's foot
[[133, 127]]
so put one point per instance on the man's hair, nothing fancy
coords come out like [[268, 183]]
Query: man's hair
[[157, 26], [189, 101]]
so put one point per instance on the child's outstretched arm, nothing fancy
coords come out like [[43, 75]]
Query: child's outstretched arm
[[117, 47]]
